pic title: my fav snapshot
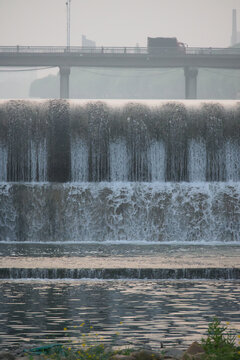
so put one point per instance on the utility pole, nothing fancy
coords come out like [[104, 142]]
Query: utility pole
[[68, 4], [65, 70]]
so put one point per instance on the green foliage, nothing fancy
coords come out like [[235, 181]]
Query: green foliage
[[89, 346], [97, 352], [220, 343]]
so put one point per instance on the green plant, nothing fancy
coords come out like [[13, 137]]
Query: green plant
[[220, 343], [89, 345]]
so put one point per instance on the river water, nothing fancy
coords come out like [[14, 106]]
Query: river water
[[150, 312]]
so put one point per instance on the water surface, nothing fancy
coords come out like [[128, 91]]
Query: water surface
[[151, 312]]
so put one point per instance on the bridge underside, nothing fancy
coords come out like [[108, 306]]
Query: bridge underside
[[189, 72], [190, 62]]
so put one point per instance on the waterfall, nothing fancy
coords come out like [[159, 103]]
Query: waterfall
[[3, 162], [156, 160], [121, 273], [79, 160], [119, 170], [118, 161], [197, 160]]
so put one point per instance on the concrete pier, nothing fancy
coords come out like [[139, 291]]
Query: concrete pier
[[190, 82], [64, 72]]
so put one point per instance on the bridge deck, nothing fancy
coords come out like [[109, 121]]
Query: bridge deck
[[132, 57]]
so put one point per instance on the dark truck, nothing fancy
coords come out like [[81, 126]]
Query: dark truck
[[167, 46]]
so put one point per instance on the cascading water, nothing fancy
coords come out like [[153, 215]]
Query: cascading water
[[118, 190], [114, 170]]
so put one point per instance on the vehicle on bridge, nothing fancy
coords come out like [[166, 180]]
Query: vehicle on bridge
[[162, 45]]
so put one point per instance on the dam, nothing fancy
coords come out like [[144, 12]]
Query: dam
[[115, 170], [128, 207]]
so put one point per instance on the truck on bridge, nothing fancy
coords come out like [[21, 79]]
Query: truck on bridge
[[162, 45]]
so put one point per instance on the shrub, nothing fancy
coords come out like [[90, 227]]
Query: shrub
[[220, 343]]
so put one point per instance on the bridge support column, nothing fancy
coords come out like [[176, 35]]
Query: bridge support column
[[64, 81], [190, 82]]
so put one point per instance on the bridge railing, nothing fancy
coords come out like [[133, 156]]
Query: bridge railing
[[116, 50], [72, 50], [212, 51]]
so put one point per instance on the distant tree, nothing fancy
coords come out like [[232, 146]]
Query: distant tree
[[139, 84], [45, 88]]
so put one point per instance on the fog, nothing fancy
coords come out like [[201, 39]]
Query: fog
[[205, 23], [116, 22]]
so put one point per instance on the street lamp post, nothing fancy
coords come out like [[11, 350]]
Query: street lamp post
[[65, 70], [68, 3]]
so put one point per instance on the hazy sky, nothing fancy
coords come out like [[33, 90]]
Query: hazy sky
[[117, 22]]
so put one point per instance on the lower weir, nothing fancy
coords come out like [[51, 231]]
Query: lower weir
[[120, 273]]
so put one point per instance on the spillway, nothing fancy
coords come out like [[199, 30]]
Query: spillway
[[120, 210], [119, 170]]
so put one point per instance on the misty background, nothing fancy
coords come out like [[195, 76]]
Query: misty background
[[205, 23]]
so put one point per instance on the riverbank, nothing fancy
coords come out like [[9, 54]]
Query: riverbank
[[221, 343], [195, 351], [103, 352]]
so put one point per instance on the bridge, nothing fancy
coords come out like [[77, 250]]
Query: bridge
[[191, 59]]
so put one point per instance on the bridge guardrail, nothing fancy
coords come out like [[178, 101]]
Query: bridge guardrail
[[72, 50], [115, 50]]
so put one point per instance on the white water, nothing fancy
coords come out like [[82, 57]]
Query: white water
[[156, 159], [79, 160], [130, 212], [119, 171], [197, 161], [118, 161], [3, 162]]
